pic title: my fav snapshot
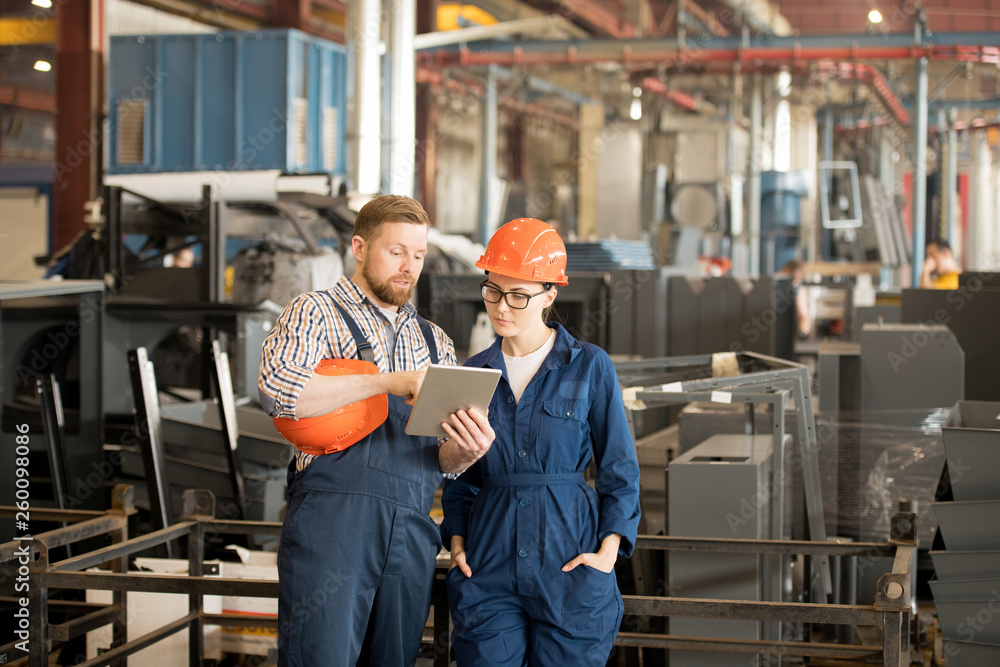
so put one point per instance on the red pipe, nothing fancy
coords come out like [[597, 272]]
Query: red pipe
[[657, 87]]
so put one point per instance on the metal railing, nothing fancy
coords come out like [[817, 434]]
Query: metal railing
[[199, 523], [890, 612]]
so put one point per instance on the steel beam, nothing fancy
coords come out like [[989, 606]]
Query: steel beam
[[135, 545], [599, 16], [756, 646], [145, 583], [953, 222], [63, 536], [786, 547], [754, 169], [433, 40], [25, 98], [148, 639], [919, 204], [84, 624], [428, 122], [53, 515], [744, 610], [488, 157], [247, 620], [291, 13], [78, 72], [770, 55], [227, 14]]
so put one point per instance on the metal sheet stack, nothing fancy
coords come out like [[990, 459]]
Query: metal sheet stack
[[609, 254], [967, 584]]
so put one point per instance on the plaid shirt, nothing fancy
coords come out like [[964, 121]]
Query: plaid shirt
[[310, 330]]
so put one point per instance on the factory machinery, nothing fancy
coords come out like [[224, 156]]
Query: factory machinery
[[769, 518]]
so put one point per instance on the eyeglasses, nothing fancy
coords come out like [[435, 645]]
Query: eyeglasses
[[516, 300]]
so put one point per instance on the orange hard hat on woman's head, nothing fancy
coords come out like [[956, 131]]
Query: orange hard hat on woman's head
[[528, 249], [343, 427]]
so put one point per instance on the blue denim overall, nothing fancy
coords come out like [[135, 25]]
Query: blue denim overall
[[356, 560]]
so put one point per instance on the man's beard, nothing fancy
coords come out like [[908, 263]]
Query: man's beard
[[385, 292]]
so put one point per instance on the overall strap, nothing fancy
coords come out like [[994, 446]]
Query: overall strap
[[365, 350], [428, 332]]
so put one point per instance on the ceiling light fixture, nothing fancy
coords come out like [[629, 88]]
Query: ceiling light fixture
[[635, 112], [875, 16], [44, 4], [43, 66]]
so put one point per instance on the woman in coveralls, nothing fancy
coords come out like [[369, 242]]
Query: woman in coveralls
[[533, 546]]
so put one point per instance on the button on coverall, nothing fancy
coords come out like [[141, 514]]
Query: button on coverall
[[525, 511]]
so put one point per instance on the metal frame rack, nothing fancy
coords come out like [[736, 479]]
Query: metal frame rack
[[197, 524], [767, 380], [890, 612]]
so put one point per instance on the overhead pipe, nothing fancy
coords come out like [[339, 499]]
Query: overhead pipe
[[402, 98], [676, 97], [366, 117]]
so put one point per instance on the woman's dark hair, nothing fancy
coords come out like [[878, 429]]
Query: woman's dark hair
[[547, 313]]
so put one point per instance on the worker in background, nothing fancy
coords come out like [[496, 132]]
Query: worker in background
[[533, 546], [795, 270], [358, 547], [940, 268]]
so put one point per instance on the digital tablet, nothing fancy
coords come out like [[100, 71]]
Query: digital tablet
[[447, 389]]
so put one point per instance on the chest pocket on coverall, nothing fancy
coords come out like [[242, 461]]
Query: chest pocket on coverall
[[400, 455], [562, 430]]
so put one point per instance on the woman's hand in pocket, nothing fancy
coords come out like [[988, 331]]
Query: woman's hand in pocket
[[458, 555], [604, 560]]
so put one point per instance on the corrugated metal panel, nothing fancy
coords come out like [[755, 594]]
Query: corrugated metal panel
[[229, 101]]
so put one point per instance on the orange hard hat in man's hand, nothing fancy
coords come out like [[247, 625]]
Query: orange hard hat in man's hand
[[343, 427], [528, 249]]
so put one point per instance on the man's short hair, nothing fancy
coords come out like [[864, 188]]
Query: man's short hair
[[940, 244], [792, 265], [388, 208]]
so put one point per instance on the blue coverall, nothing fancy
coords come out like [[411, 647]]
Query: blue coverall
[[525, 511], [358, 547]]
